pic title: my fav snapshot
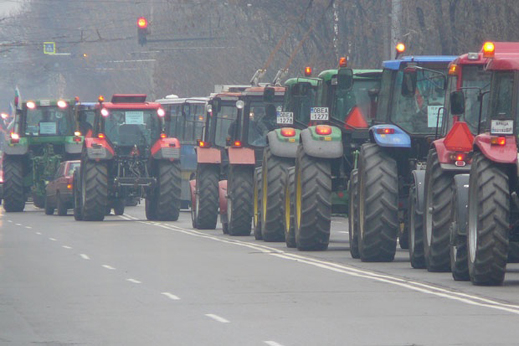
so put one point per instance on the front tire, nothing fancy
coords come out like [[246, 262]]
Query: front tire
[[353, 217], [49, 210], [437, 215], [488, 222], [458, 244], [239, 200], [62, 208], [14, 197], [205, 211], [290, 236], [167, 192], [313, 205], [378, 207], [415, 234]]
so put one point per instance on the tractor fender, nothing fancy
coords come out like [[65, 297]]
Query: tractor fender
[[241, 156], [325, 147], [166, 148], [222, 193], [419, 185], [20, 148], [397, 139], [444, 157], [98, 149], [461, 184], [282, 146], [208, 155], [498, 153]]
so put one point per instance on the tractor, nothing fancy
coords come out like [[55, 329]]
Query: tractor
[[41, 136], [409, 102], [128, 155]]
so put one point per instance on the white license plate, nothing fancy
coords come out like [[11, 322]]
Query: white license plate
[[285, 118], [319, 113], [502, 127]]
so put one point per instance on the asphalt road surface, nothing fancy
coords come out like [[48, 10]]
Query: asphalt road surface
[[128, 281]]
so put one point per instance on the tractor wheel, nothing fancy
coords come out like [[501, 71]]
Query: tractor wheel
[[353, 216], [167, 192], [94, 190], [415, 233], [38, 201], [76, 195], [119, 205], [257, 204], [150, 205], [513, 252], [14, 197], [488, 222], [49, 210], [313, 205], [458, 238], [378, 204], [206, 196], [273, 197], [437, 215], [290, 236], [239, 199], [60, 205]]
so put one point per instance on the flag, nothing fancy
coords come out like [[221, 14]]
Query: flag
[[17, 98]]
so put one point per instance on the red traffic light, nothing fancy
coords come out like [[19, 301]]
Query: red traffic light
[[142, 23]]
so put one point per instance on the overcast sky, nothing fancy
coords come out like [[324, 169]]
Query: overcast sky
[[6, 6]]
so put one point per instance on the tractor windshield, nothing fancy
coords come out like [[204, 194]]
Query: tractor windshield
[[225, 124], [300, 103], [417, 112], [475, 80], [262, 120], [501, 99], [357, 96], [49, 121], [132, 127]]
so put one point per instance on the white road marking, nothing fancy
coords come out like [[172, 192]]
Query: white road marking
[[84, 256], [125, 217], [28, 227], [344, 232], [273, 343], [9, 221], [170, 296], [134, 281], [18, 224], [38, 233], [217, 318], [108, 267], [66, 247], [353, 271], [53, 239]]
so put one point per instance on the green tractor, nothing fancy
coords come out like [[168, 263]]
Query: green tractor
[[43, 134]]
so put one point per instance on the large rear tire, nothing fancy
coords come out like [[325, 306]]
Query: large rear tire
[[14, 197], [273, 196], [437, 215], [313, 205], [290, 236], [206, 196], [119, 205], [94, 190], [415, 234], [60, 205], [76, 195], [49, 209], [257, 204], [353, 217], [458, 243], [168, 190], [239, 199], [488, 222], [378, 204], [150, 207]]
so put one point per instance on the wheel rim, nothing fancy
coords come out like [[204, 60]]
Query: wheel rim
[[197, 204], [229, 210]]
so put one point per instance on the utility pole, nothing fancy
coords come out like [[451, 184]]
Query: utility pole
[[396, 32]]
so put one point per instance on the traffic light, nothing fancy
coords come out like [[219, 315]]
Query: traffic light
[[142, 30]]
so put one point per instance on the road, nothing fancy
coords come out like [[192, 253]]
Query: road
[[128, 281]]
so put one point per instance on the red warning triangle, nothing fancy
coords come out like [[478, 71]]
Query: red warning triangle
[[355, 120], [459, 138]]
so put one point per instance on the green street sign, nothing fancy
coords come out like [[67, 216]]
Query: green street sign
[[49, 47]]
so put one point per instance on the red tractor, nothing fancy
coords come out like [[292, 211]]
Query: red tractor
[[128, 155], [493, 203], [237, 126]]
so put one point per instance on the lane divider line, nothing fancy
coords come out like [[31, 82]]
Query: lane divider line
[[28, 227], [38, 233], [273, 343], [134, 281], [217, 318], [53, 239], [108, 267], [84, 256], [18, 224], [170, 296], [66, 247]]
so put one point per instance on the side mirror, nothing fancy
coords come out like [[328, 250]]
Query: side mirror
[[409, 81], [345, 79], [457, 100], [268, 94]]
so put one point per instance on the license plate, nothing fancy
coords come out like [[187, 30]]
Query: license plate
[[502, 127], [285, 118], [319, 113]]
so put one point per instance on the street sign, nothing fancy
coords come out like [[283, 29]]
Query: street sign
[[49, 47]]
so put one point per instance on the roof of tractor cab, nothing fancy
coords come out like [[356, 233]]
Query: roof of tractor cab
[[506, 56], [293, 81], [128, 102], [357, 74], [395, 64], [49, 102], [259, 90]]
